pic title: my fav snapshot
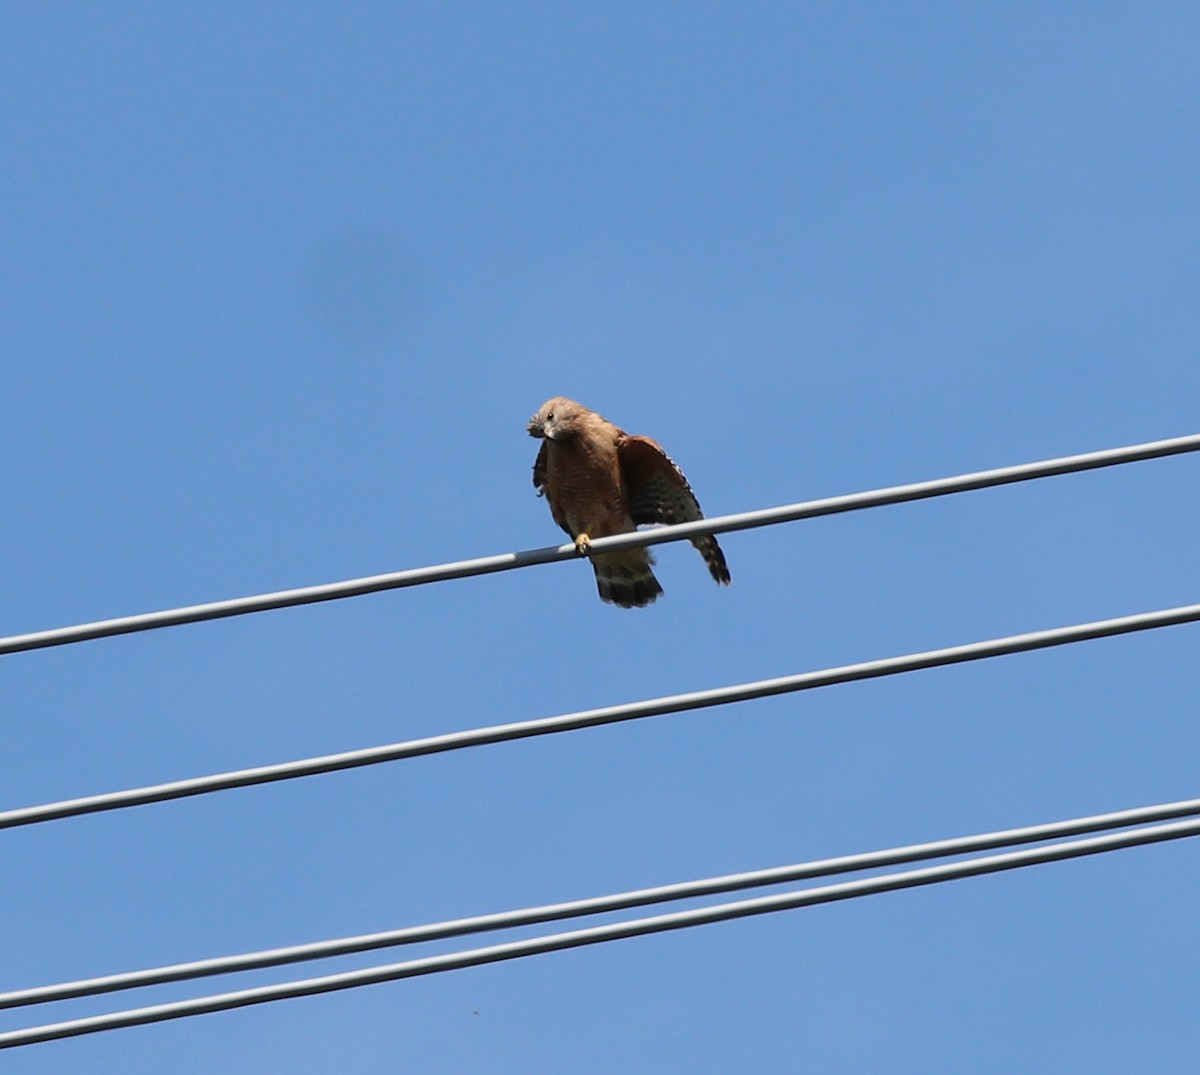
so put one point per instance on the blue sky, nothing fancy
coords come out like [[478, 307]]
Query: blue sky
[[279, 288]]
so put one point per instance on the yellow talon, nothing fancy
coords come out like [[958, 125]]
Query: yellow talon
[[583, 544]]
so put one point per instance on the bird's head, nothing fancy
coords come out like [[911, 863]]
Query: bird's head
[[556, 419]]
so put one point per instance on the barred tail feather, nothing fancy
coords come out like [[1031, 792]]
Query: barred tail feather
[[625, 578]]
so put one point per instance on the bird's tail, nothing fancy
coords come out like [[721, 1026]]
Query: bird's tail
[[625, 579]]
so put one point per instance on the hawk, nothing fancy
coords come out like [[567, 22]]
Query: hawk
[[598, 481]]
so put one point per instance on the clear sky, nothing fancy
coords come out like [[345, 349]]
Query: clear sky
[[280, 286]]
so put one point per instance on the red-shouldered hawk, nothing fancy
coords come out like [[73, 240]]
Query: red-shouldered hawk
[[599, 481]]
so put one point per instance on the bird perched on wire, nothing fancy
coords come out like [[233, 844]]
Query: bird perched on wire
[[598, 481]]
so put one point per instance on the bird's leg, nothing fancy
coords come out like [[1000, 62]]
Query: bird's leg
[[583, 544]]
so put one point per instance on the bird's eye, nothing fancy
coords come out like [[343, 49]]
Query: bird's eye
[[549, 416]]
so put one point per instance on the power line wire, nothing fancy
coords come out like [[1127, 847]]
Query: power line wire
[[599, 934], [528, 916], [589, 718], [551, 554], [892, 495]]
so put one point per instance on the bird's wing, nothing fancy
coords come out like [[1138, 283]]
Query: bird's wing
[[539, 471], [657, 492]]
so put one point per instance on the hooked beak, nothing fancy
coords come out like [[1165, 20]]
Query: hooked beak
[[535, 427]]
